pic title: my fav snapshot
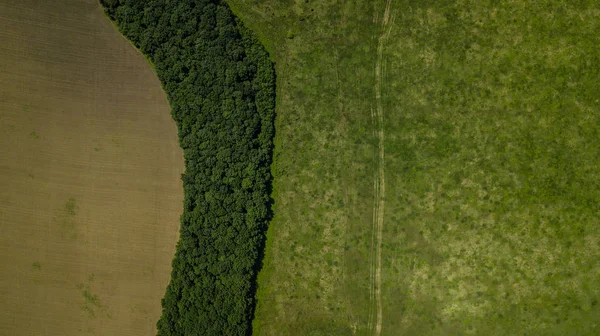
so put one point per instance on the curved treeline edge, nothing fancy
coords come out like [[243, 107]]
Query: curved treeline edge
[[220, 84]]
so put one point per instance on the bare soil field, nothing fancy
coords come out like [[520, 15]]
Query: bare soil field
[[90, 190]]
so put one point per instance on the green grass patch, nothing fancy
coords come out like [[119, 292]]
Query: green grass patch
[[92, 306], [65, 219]]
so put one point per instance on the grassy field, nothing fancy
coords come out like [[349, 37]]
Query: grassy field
[[435, 170], [90, 190], [436, 167]]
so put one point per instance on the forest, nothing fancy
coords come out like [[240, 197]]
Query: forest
[[220, 83]]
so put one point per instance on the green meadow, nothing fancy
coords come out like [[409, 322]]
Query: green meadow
[[490, 180]]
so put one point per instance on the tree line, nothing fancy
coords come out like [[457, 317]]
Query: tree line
[[220, 84]]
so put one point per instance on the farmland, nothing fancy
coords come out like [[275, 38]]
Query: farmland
[[90, 189], [435, 168]]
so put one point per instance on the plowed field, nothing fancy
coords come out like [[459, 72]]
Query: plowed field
[[90, 190]]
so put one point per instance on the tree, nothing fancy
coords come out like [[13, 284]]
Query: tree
[[221, 87]]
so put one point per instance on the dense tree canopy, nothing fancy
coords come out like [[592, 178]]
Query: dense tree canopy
[[221, 85]]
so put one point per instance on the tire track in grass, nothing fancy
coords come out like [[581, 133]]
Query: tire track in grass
[[379, 179], [372, 265]]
